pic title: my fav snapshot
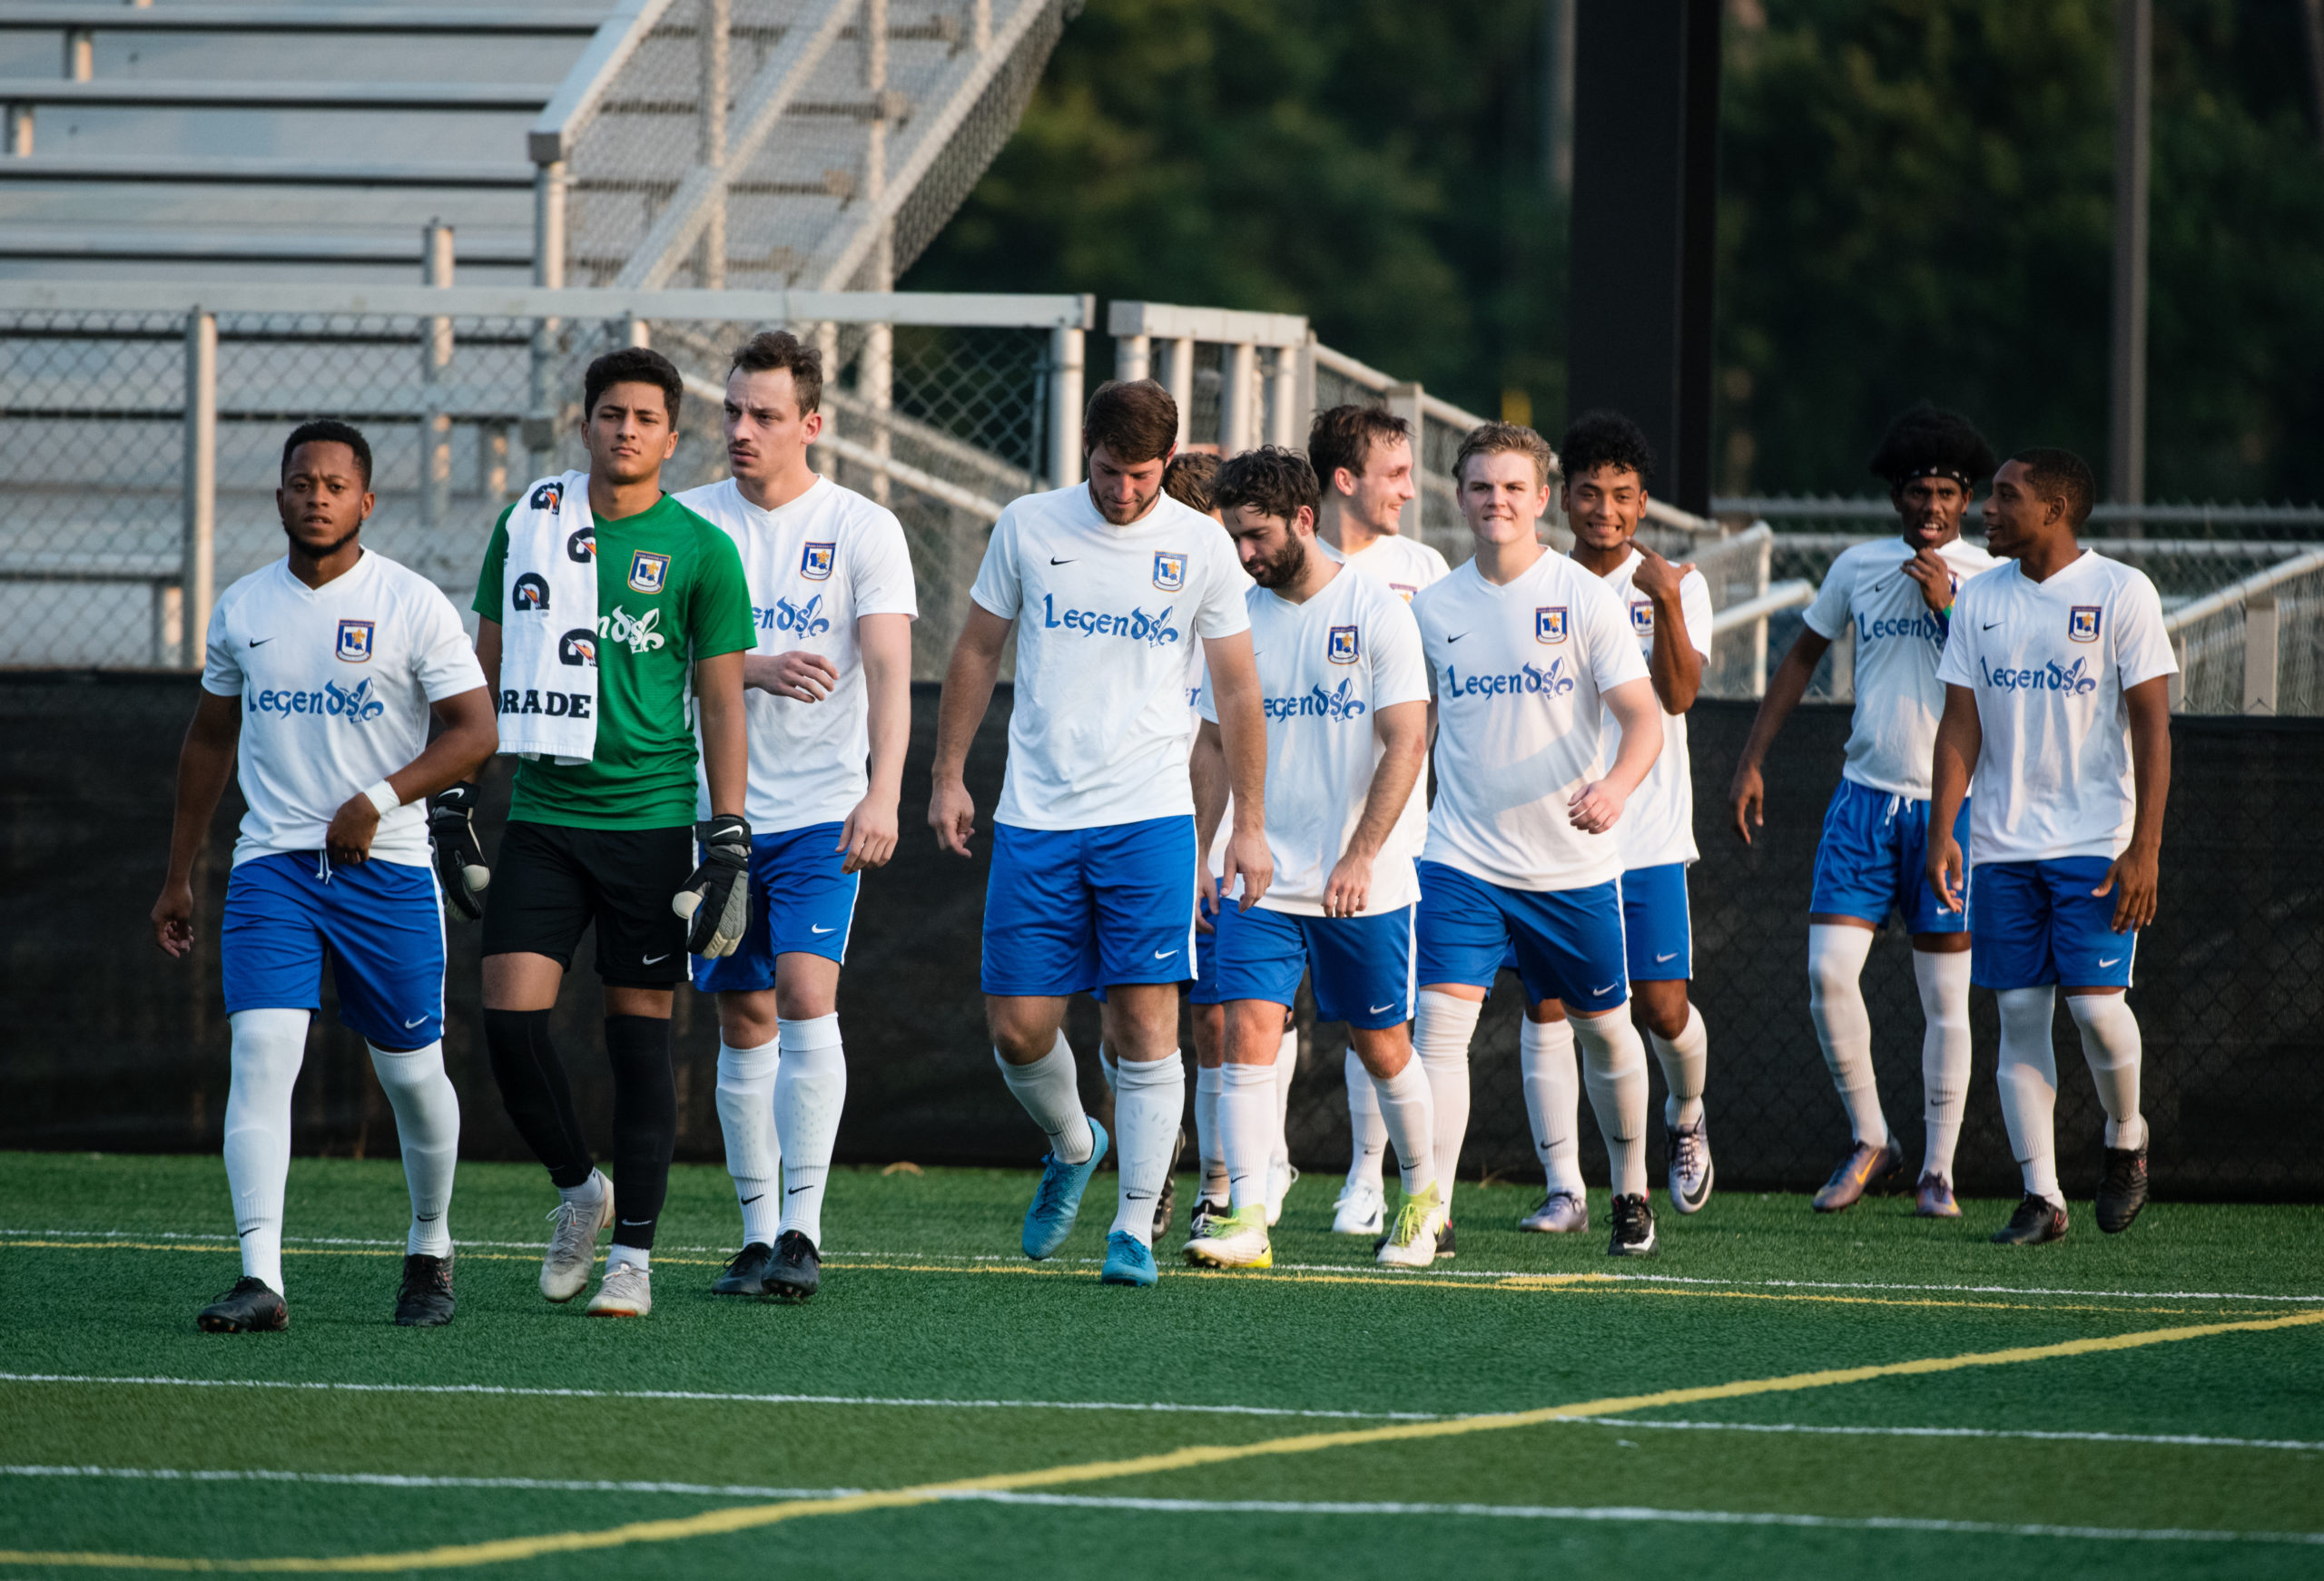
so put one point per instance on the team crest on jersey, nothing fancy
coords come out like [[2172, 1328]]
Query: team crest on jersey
[[1642, 616], [1169, 571], [1403, 590], [2081, 623], [648, 572], [1550, 623], [1343, 647], [355, 641], [550, 498], [582, 547], [531, 592], [815, 561]]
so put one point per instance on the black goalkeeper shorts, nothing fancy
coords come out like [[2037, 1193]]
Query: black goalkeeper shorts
[[551, 882]]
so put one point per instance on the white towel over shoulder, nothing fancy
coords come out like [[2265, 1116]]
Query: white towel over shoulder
[[548, 623]]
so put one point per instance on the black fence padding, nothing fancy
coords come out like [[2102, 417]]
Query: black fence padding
[[108, 1044]]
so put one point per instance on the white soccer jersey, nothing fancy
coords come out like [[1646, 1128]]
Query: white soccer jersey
[[2048, 663], [1099, 732], [1658, 824], [1198, 688], [1898, 698], [815, 567], [1326, 668], [335, 683], [1519, 673], [1402, 564]]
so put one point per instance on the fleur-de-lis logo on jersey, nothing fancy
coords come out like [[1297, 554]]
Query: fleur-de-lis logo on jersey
[[2069, 679], [807, 621], [637, 631], [1153, 628], [354, 702], [1341, 703]]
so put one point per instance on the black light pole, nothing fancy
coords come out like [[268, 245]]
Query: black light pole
[[2133, 128]]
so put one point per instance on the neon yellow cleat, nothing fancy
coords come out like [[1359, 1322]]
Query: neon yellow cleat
[[1239, 1239], [1412, 1242]]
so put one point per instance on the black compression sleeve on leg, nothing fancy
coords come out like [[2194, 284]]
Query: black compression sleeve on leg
[[646, 1123], [534, 1090]]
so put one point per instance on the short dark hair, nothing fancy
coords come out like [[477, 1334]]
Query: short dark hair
[[1188, 479], [1344, 436], [329, 431], [1134, 418], [1604, 438], [1930, 442], [1271, 480], [2055, 473], [634, 364], [1499, 438], [781, 351]]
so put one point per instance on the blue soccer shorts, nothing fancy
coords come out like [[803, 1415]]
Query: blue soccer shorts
[[1363, 966], [1568, 942], [1070, 909], [1873, 858], [1658, 931], [2035, 923], [801, 904], [1204, 989], [382, 923]]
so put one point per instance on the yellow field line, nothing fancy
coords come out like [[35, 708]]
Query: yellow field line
[[749, 1518]]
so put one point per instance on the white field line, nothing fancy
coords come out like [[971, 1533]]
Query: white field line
[[2190, 1441], [1591, 1276], [388, 1479]]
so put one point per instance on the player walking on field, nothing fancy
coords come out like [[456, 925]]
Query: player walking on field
[[1094, 860], [1897, 596], [1528, 656], [1607, 466], [2057, 706], [828, 692], [599, 594], [1345, 691], [1363, 458], [320, 673]]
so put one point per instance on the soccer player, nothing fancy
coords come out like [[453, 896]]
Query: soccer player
[[1093, 867], [1362, 457], [2057, 705], [321, 673], [1607, 466], [1897, 594], [828, 696], [599, 593], [1345, 692], [1528, 654]]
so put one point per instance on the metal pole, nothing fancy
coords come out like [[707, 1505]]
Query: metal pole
[[1283, 396], [1065, 407], [1557, 94], [1179, 377], [1763, 563], [875, 370], [713, 27], [1235, 391], [1303, 403], [198, 571], [80, 55], [20, 131], [2260, 653], [548, 271], [1133, 356], [434, 358], [1404, 401], [2133, 114]]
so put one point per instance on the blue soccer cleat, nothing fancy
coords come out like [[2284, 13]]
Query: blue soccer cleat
[[1058, 1199], [1127, 1261]]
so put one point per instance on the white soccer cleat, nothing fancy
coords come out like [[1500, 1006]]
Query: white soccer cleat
[[1280, 1176], [1361, 1210], [1688, 1149], [1412, 1242], [573, 1244], [628, 1292], [1237, 1241], [1560, 1214]]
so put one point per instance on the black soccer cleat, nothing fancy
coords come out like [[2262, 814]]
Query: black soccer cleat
[[2122, 1190], [424, 1299], [2036, 1222], [252, 1307], [745, 1272], [1633, 1219], [795, 1270]]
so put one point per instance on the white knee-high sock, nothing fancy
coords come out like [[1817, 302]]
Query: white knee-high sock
[[1407, 1109], [1050, 1090], [1944, 981], [1836, 956], [2029, 1086], [427, 1129], [809, 1091], [1149, 1103], [1367, 1132], [1441, 1027], [1613, 1067], [1552, 1100], [1685, 1060], [2110, 1043], [269, 1047], [1247, 1129], [746, 1120], [1287, 1066], [1209, 1082]]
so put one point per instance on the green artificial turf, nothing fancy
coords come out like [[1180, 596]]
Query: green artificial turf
[[936, 1352]]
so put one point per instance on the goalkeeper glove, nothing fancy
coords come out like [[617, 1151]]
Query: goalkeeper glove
[[459, 859], [716, 902]]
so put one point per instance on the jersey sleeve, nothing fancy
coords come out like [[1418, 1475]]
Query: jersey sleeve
[[718, 612], [221, 673], [488, 602], [1224, 609], [1694, 605], [1400, 670], [1956, 666], [1207, 700], [442, 661], [880, 562], [1609, 648], [998, 588], [2142, 648], [1827, 616]]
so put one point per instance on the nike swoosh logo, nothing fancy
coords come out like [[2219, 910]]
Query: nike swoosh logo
[[1378, 1009], [813, 928], [1671, 957], [1989, 628], [1449, 640], [428, 1218], [416, 1021], [2107, 963], [1607, 990], [261, 642], [657, 960], [1055, 562], [635, 1223], [748, 1201], [1137, 1196], [794, 1191], [1163, 954]]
